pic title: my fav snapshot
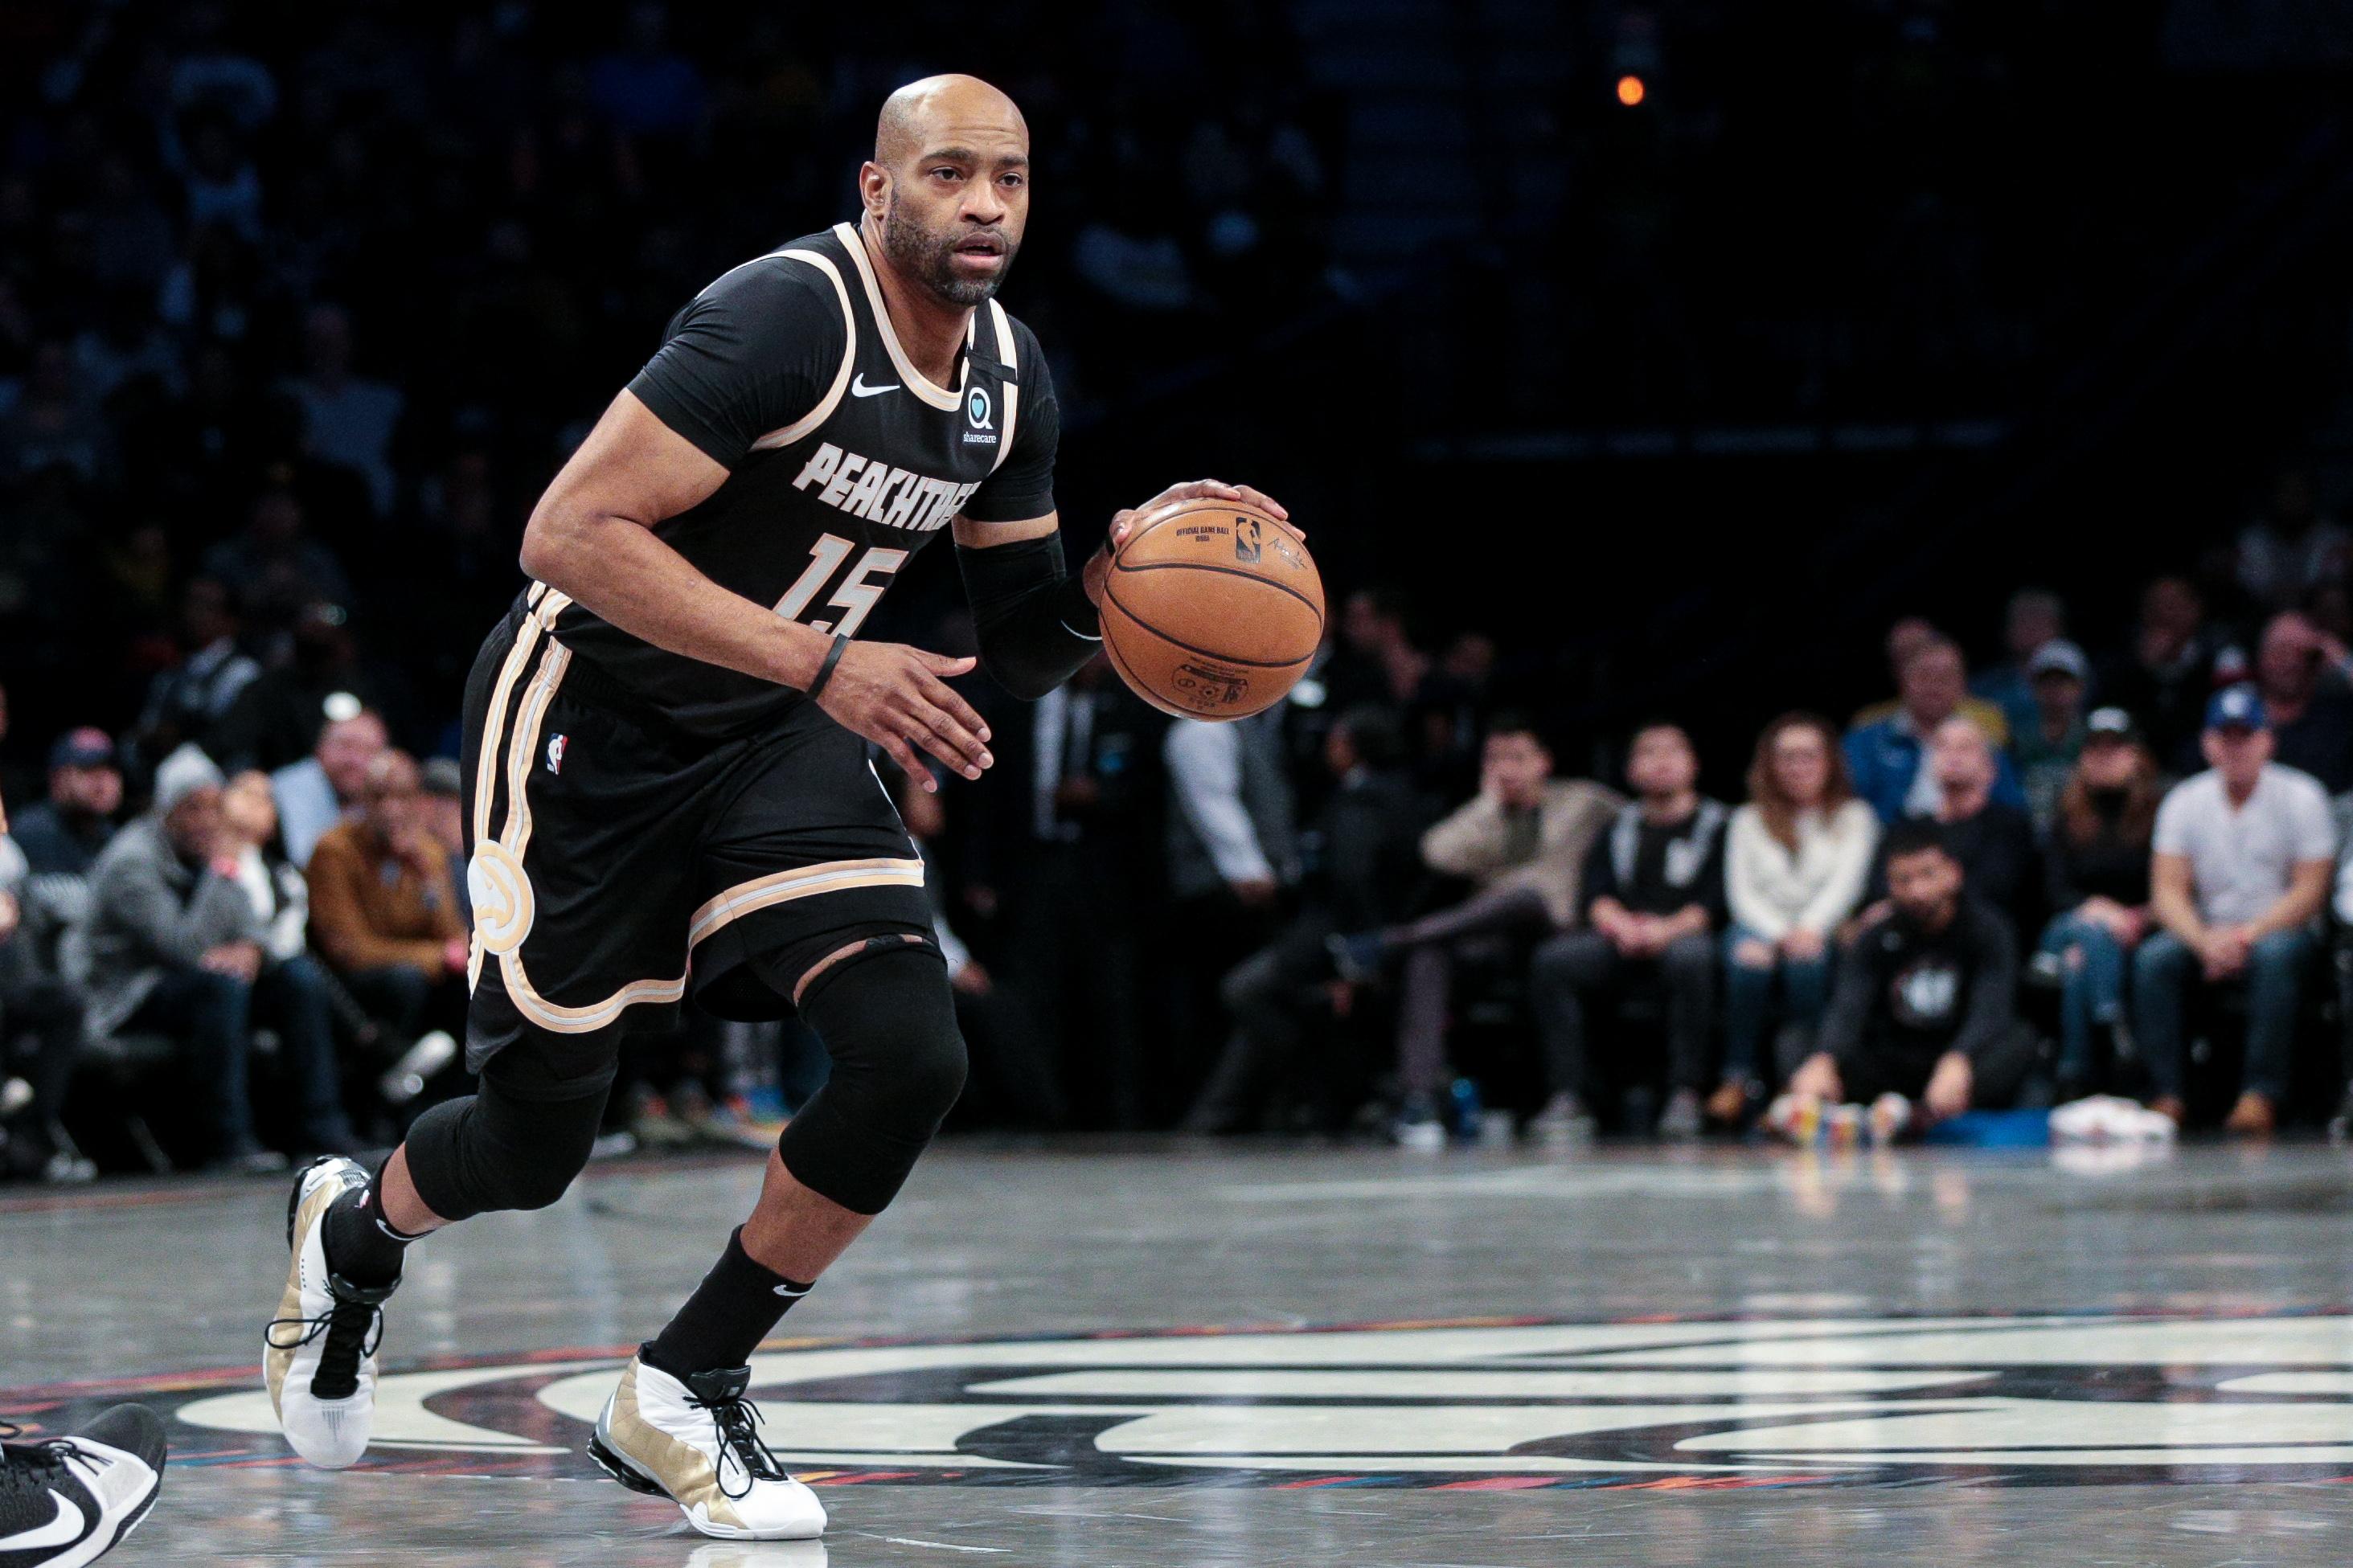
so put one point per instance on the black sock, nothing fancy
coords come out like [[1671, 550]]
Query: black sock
[[726, 1317], [361, 1244]]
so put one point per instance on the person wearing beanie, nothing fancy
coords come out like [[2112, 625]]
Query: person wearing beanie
[[177, 949]]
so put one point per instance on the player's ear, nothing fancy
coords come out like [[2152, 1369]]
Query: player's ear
[[874, 188]]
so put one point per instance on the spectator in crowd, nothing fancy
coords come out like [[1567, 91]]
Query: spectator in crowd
[[186, 700], [1798, 857], [1073, 846], [1923, 1023], [382, 909], [63, 834], [2242, 857], [318, 791], [2167, 672], [1014, 1076], [2097, 861], [273, 567], [276, 720], [2047, 737], [347, 419], [272, 883], [1884, 756], [175, 947], [1992, 838], [1653, 896], [40, 1040], [442, 811], [2036, 617], [2292, 547], [1916, 634], [1233, 850], [1522, 843], [2306, 701], [1362, 869]]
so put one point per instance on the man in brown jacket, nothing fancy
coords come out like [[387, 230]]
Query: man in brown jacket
[[1522, 844], [382, 909]]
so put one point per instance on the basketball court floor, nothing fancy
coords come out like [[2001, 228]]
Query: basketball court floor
[[1204, 1356]]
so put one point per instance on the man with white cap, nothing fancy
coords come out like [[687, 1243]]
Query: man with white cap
[[175, 948]]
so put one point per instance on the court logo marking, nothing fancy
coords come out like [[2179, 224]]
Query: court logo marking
[[2016, 1400]]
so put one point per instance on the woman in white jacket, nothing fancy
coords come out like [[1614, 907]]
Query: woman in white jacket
[[1796, 858]]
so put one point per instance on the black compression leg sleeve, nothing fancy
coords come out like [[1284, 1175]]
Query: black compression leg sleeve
[[515, 1143], [888, 1020]]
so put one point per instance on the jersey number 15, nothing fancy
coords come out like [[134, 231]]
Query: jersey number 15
[[854, 595]]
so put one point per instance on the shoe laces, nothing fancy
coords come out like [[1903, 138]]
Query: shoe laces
[[737, 1422], [353, 1327], [33, 1467]]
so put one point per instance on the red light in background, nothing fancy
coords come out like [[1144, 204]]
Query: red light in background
[[1629, 90]]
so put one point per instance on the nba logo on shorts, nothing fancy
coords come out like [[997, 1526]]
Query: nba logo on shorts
[[555, 754], [976, 409], [1246, 540]]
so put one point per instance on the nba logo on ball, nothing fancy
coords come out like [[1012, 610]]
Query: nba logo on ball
[[1246, 540], [976, 409]]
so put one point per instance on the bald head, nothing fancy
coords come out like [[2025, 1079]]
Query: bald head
[[928, 114], [947, 192]]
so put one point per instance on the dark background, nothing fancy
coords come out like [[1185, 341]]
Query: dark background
[[1866, 309]]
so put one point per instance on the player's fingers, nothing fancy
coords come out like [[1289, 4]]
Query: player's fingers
[[908, 763], [1266, 503], [1122, 523], [965, 753], [942, 664], [943, 696]]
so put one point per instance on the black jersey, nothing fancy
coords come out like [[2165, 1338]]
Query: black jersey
[[843, 459]]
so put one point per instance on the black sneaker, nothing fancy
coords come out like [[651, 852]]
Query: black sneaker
[[65, 1501]]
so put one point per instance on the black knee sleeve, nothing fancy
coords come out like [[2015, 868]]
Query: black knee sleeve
[[887, 1021], [513, 1144]]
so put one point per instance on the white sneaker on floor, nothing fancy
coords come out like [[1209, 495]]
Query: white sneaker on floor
[[320, 1360], [697, 1443]]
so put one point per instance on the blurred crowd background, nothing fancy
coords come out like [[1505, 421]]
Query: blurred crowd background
[[1628, 365]]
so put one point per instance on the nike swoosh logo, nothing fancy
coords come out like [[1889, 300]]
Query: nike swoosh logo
[[62, 1531], [857, 387]]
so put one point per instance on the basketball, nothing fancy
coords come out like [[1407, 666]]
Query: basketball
[[1212, 610]]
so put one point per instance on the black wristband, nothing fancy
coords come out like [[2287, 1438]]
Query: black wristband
[[824, 670]]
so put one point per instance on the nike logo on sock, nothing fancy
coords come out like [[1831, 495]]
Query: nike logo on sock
[[791, 1291], [62, 1531]]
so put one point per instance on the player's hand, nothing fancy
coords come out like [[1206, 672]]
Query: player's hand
[[897, 698], [1949, 1091], [1122, 523]]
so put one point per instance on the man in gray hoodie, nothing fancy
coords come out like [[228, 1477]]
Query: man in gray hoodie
[[174, 947]]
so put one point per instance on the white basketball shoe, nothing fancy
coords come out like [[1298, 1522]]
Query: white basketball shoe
[[320, 1360], [697, 1443]]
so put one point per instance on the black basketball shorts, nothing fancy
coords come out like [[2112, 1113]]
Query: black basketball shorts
[[614, 862]]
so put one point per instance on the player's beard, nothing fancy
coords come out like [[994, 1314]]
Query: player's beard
[[928, 256]]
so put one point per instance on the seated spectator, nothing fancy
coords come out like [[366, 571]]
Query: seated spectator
[[272, 883], [1522, 842], [186, 700], [175, 948], [62, 835], [443, 809], [347, 419], [1653, 895], [2036, 617], [2243, 854], [2095, 862], [2167, 672], [1991, 838], [2310, 710], [40, 1040], [1797, 859], [1361, 870], [2292, 546], [2048, 736], [273, 567], [1904, 638], [275, 721], [1884, 754], [1923, 1024], [383, 907], [319, 791]]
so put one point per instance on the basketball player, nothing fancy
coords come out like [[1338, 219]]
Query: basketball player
[[667, 783]]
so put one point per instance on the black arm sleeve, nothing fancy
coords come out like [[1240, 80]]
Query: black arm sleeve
[[1023, 485], [751, 353], [1035, 622]]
